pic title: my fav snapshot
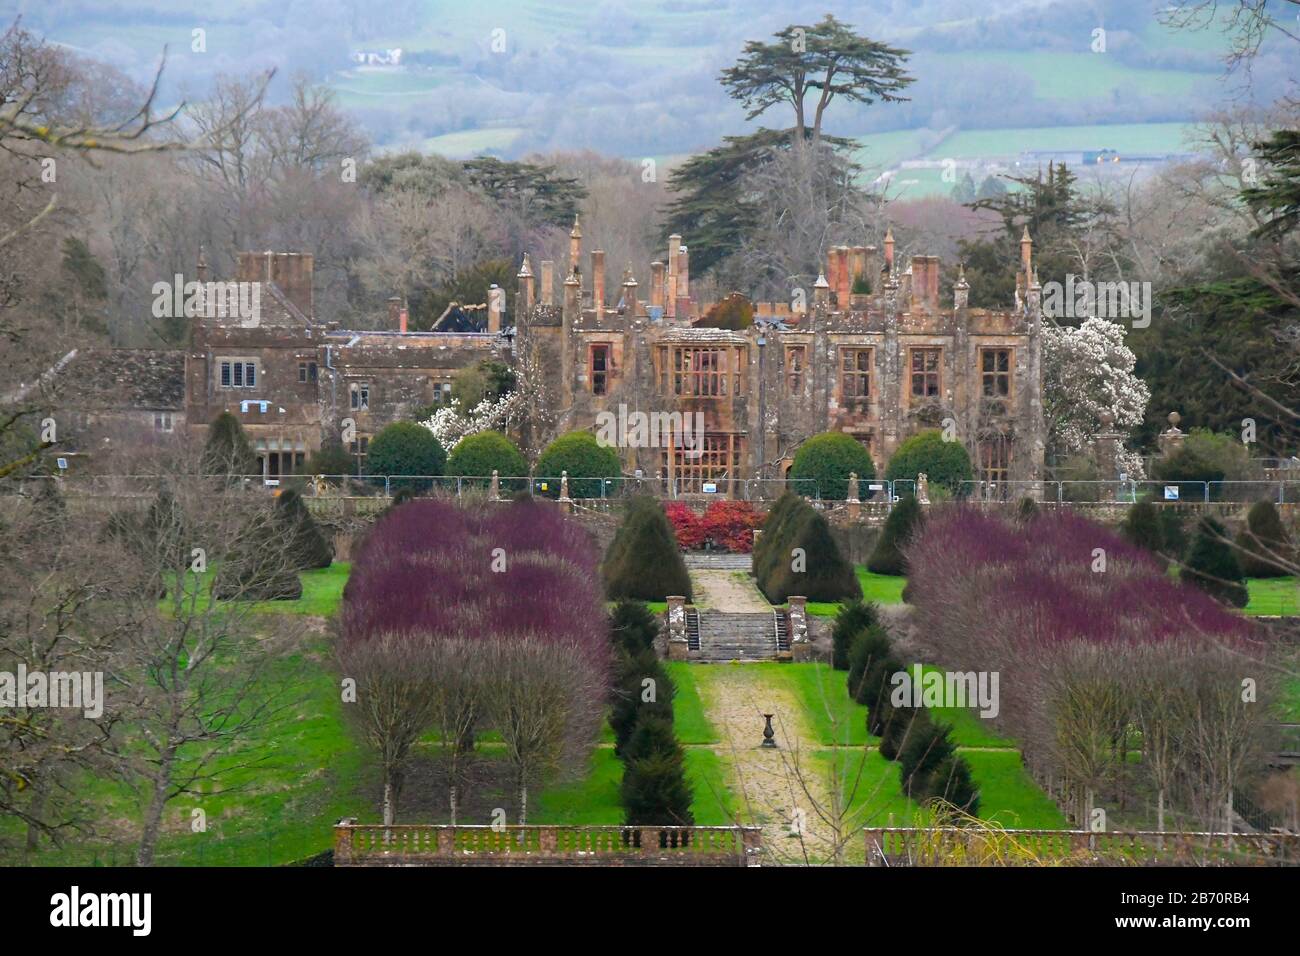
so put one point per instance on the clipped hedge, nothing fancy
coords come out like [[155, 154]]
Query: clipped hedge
[[482, 453]]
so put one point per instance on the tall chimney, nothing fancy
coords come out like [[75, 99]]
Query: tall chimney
[[845, 279], [657, 284], [683, 273], [395, 313], [524, 300], [575, 247], [598, 280], [496, 305], [628, 298], [572, 298], [925, 283], [961, 289], [889, 250], [548, 282], [857, 264], [403, 317], [1026, 254]]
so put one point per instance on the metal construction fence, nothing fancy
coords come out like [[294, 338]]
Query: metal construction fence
[[873, 490]]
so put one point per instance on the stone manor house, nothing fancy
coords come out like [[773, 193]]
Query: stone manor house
[[877, 365]]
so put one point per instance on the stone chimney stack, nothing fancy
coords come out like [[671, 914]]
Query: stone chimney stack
[[496, 305], [575, 247], [202, 267], [683, 273], [290, 271], [857, 264], [572, 298], [395, 313], [1027, 253], [524, 301], [598, 280], [889, 250], [670, 280], [548, 282], [844, 281], [871, 267], [925, 283], [657, 284]]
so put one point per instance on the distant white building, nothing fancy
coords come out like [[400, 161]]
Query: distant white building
[[378, 57]]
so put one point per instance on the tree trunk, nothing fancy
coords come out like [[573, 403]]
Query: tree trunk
[[523, 802], [33, 831], [453, 804], [153, 815], [1160, 817], [390, 802]]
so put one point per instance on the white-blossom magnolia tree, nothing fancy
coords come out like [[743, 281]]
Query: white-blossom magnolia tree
[[1088, 371]]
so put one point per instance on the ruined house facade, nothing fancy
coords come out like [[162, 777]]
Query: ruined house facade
[[294, 381], [879, 366]]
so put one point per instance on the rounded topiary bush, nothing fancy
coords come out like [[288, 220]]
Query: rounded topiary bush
[[1265, 548], [823, 463], [945, 463], [900, 527], [405, 448], [586, 460], [643, 562], [1212, 565], [480, 454]]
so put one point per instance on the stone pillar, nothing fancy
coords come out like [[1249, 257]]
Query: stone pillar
[[1169, 441], [343, 841], [524, 297], [564, 486], [800, 645], [496, 305], [575, 247], [548, 282], [889, 250], [657, 276], [961, 289], [1105, 449], [495, 493], [678, 649], [821, 291], [853, 503], [923, 488]]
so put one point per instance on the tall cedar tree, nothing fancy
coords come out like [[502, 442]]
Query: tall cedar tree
[[643, 561], [853, 618], [1212, 565], [901, 526], [1266, 549], [307, 547]]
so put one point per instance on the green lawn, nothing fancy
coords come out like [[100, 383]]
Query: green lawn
[[689, 720], [1273, 596], [881, 588]]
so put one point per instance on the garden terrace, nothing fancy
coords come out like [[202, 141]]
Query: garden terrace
[[357, 845]]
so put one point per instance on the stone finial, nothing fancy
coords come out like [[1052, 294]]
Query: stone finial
[[961, 288], [889, 249], [923, 488], [853, 488], [564, 486], [576, 231], [495, 493], [821, 290], [1169, 440], [525, 268]]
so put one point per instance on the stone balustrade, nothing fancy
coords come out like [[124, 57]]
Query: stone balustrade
[[434, 845]]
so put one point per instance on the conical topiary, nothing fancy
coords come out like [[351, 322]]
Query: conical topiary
[[1173, 535], [1265, 549], [809, 562], [655, 791], [643, 561], [900, 527], [227, 452], [870, 648], [632, 627], [1212, 565], [306, 545], [926, 747], [951, 781], [631, 697]]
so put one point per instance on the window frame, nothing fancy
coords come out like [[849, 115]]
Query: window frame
[[359, 400], [236, 371], [607, 350], [993, 376], [796, 367], [924, 374], [862, 376]]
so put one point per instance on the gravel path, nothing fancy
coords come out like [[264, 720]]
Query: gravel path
[[733, 591]]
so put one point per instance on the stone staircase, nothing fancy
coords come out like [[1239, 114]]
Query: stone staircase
[[718, 561], [730, 636]]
